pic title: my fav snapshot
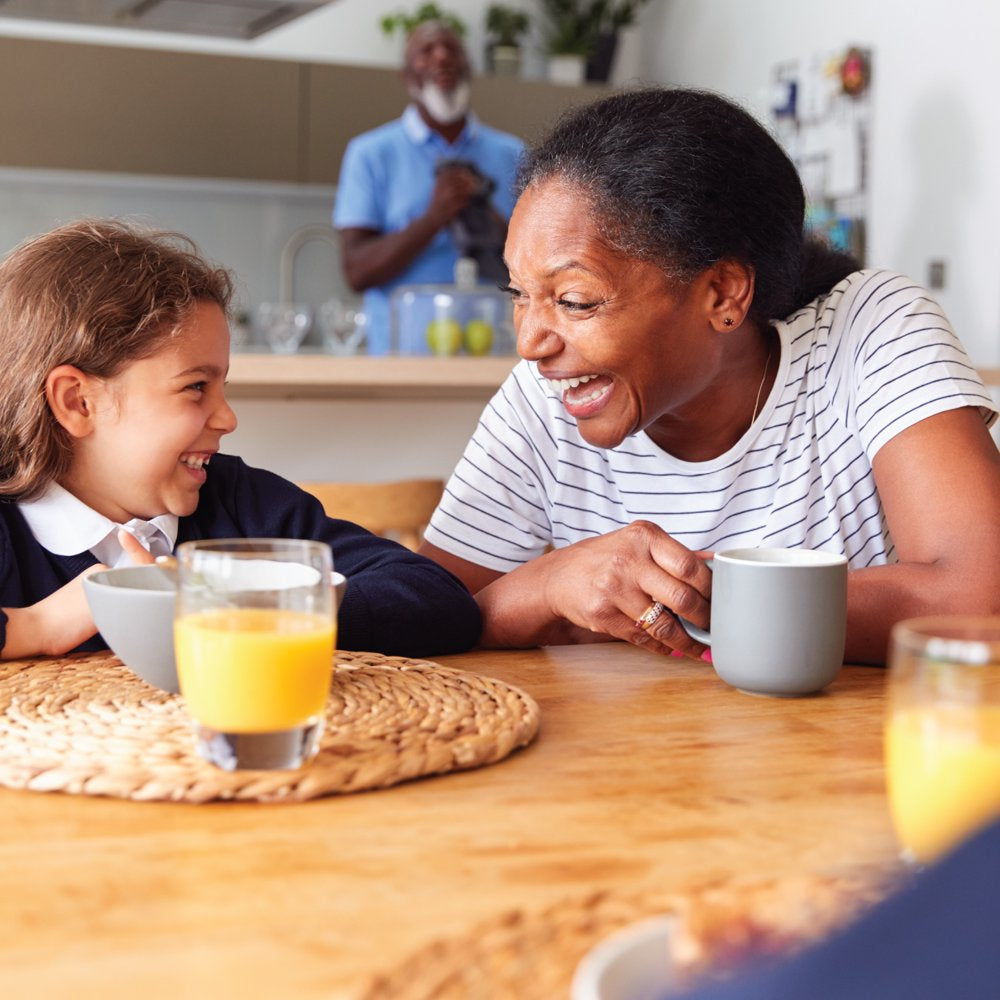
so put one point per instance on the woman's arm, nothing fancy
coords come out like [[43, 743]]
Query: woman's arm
[[939, 482]]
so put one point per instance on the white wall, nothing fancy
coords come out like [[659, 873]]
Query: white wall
[[356, 440], [935, 163]]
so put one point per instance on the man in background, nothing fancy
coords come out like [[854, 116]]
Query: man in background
[[412, 190]]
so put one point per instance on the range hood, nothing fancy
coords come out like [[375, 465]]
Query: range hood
[[218, 18]]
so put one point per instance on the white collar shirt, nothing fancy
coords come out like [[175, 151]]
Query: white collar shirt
[[420, 133], [66, 526]]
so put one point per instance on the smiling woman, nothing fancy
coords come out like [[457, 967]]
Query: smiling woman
[[698, 375]]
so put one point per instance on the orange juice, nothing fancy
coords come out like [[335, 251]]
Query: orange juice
[[943, 772], [250, 670]]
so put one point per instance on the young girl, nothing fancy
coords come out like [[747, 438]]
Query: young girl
[[114, 350]]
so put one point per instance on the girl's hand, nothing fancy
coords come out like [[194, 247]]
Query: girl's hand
[[605, 584], [133, 548], [53, 626]]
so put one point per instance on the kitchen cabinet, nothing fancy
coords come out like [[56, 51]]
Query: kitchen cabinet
[[75, 106]]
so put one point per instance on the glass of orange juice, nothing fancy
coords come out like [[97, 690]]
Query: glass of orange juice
[[942, 732], [254, 635]]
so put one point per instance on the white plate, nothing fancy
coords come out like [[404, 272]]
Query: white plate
[[631, 964]]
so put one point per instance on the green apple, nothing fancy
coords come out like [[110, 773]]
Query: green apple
[[478, 337], [444, 336]]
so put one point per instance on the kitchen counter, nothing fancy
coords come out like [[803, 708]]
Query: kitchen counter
[[327, 376]]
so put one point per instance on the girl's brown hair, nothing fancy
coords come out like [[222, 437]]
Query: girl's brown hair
[[96, 294]]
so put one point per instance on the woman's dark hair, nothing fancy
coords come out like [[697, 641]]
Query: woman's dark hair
[[685, 178]]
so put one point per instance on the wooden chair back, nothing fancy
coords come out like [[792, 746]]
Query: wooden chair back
[[398, 510]]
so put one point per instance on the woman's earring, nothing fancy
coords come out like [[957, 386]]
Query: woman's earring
[[728, 321]]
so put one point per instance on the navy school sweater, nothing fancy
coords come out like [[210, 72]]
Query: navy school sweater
[[397, 602]]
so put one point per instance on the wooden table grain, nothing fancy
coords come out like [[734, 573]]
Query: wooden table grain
[[646, 771]]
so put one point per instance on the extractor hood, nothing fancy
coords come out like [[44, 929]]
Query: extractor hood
[[219, 18]]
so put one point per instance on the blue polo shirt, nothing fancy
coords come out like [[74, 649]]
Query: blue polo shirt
[[386, 180]]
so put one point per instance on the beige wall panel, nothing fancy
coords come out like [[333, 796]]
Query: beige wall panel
[[343, 101], [528, 107], [146, 111]]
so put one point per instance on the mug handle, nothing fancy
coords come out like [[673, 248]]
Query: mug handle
[[698, 634]]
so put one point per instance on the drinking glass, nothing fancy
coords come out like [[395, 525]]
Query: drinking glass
[[284, 325], [254, 633], [942, 734], [344, 327]]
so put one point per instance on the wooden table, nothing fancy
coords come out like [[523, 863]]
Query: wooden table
[[646, 772]]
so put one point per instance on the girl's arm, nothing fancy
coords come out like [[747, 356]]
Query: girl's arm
[[53, 626], [60, 622]]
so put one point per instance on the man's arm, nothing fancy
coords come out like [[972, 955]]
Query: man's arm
[[372, 258]]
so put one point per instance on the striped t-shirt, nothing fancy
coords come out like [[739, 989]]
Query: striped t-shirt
[[858, 365]]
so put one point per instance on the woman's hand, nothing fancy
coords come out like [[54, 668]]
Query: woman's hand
[[594, 589], [605, 584]]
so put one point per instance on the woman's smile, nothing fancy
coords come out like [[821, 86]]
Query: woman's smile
[[583, 395]]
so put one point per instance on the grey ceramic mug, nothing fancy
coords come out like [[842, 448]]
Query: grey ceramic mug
[[779, 619]]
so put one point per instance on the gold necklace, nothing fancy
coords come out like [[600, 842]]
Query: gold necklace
[[760, 388]]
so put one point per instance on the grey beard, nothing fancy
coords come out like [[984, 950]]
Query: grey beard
[[443, 106]]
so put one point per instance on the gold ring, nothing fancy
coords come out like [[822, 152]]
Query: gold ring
[[649, 615]]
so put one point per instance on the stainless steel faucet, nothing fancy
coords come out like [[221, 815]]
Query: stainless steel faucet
[[298, 239]]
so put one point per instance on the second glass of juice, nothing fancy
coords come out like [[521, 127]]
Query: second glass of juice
[[254, 637], [942, 731]]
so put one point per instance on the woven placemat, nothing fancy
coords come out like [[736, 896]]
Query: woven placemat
[[89, 726], [533, 955]]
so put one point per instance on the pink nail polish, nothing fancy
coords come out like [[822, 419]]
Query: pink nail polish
[[707, 656], [676, 652]]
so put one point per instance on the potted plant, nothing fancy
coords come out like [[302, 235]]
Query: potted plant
[[580, 28], [406, 21], [505, 26], [617, 14]]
